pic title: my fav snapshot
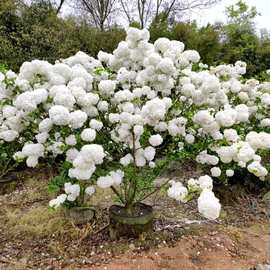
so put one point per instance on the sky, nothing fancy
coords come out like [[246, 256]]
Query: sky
[[217, 13]]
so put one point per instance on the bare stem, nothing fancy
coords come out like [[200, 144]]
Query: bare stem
[[154, 191], [118, 194], [133, 184]]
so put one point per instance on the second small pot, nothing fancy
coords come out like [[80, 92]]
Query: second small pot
[[80, 215]]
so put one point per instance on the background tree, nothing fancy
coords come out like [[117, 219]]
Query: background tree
[[241, 41], [146, 11], [97, 12]]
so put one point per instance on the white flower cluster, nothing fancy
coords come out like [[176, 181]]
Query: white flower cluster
[[211, 124], [178, 191], [32, 152], [72, 192], [208, 204], [242, 153], [114, 178], [85, 162]]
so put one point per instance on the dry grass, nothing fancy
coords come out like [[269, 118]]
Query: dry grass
[[24, 213], [36, 222]]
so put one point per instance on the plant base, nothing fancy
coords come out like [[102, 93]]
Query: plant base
[[80, 215], [135, 223]]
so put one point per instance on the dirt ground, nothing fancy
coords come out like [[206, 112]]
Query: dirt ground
[[225, 249], [32, 236]]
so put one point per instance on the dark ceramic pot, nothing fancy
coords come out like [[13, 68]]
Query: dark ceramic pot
[[132, 223]]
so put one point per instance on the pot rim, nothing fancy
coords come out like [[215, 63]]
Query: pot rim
[[132, 220]]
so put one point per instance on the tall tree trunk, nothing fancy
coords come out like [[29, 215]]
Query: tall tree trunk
[[60, 6]]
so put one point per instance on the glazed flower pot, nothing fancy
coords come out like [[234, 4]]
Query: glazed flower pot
[[80, 215], [132, 223]]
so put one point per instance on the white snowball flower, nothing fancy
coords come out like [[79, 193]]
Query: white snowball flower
[[229, 172], [242, 112], [231, 135], [245, 153], [189, 138], [77, 119], [72, 191], [203, 118], [149, 153], [103, 106], [88, 135], [205, 182], [215, 171], [9, 135], [265, 99], [95, 124], [25, 101], [155, 110], [107, 87], [65, 99], [162, 45], [140, 159], [71, 140], [208, 205], [265, 122], [152, 164], [55, 203], [166, 66], [59, 115], [257, 169], [117, 177], [19, 156], [71, 154], [243, 96], [227, 153], [45, 125], [114, 117], [42, 137], [32, 161], [204, 158], [226, 118], [177, 191], [105, 181], [9, 111], [155, 140], [93, 153], [33, 149], [126, 160], [81, 174], [192, 56], [138, 130]]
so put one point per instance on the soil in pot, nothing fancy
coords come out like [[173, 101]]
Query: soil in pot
[[80, 215], [133, 223]]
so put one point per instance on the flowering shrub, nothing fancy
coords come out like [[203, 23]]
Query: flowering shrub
[[119, 120]]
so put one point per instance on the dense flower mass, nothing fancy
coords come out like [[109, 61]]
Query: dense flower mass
[[114, 117]]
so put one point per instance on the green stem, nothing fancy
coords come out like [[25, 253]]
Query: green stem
[[118, 194], [6, 169], [154, 191]]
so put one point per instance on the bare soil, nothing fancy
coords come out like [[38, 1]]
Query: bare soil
[[226, 248], [32, 236]]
